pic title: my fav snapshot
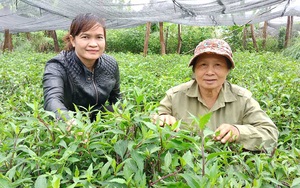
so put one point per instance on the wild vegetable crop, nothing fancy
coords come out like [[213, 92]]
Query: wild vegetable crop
[[125, 149]]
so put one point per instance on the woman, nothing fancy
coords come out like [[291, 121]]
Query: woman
[[82, 75], [236, 116]]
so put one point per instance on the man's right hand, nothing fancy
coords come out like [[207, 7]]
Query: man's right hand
[[164, 119]]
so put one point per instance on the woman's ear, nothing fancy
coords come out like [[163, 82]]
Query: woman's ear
[[72, 40]]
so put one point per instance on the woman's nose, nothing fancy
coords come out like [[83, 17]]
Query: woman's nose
[[93, 43]]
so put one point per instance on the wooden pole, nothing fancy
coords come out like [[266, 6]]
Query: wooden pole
[[166, 42], [179, 39], [253, 37], [147, 36], [55, 41], [291, 28], [287, 32], [28, 35], [264, 35], [7, 41], [245, 33], [161, 38]]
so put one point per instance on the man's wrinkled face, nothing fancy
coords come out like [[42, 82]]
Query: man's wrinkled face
[[211, 71]]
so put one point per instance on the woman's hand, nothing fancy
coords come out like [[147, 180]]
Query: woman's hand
[[70, 124], [226, 133]]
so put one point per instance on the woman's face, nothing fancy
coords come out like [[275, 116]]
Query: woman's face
[[89, 45], [211, 71]]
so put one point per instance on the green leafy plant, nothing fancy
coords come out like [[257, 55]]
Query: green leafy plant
[[125, 148]]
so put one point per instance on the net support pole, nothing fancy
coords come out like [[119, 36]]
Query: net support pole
[[7, 41], [147, 36], [55, 41], [264, 42], [288, 32], [161, 38], [253, 37], [179, 39]]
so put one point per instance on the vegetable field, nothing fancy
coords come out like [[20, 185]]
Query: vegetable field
[[125, 149]]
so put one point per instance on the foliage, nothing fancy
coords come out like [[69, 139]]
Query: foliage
[[271, 44], [132, 40], [125, 148], [281, 37], [192, 35], [234, 35], [36, 41], [125, 40], [293, 50]]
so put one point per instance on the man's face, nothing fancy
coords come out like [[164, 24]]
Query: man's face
[[211, 71]]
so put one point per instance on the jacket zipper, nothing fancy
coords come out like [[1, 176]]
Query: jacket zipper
[[93, 80]]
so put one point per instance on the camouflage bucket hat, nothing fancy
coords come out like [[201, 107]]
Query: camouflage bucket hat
[[215, 46]]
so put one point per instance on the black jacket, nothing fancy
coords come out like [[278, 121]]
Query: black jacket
[[67, 82]]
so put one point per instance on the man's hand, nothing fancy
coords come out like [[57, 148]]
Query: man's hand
[[226, 133], [164, 119]]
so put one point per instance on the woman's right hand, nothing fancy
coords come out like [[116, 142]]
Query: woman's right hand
[[70, 124]]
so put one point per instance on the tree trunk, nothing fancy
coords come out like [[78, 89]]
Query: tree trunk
[[28, 36], [161, 38], [147, 36], [287, 32], [253, 37], [167, 36], [291, 28], [264, 35], [179, 39], [245, 34], [7, 41], [54, 36]]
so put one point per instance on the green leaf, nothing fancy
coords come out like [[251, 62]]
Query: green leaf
[[179, 145], [121, 147], [296, 183], [27, 150], [105, 168], [55, 182], [76, 174], [191, 180], [138, 158], [41, 182], [4, 182], [89, 172], [73, 159], [151, 126], [118, 180], [168, 160], [130, 168], [176, 125], [188, 158], [204, 120], [69, 151], [207, 132], [212, 155], [273, 181]]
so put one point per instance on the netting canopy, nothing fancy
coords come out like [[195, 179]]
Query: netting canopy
[[35, 15]]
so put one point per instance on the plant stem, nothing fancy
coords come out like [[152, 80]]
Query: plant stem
[[47, 126], [166, 176], [203, 157]]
